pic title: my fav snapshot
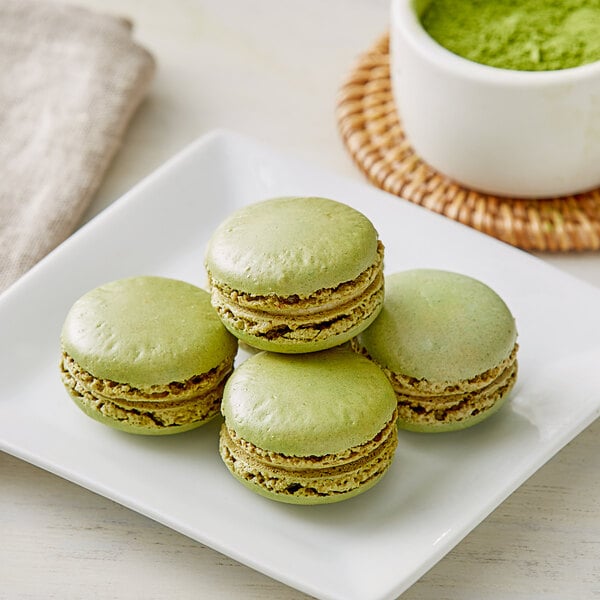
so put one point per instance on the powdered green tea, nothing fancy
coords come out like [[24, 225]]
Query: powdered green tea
[[528, 35]]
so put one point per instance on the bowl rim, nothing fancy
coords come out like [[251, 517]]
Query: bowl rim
[[404, 22]]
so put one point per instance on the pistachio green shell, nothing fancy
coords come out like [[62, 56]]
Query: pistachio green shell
[[145, 331], [439, 326], [291, 245], [308, 404]]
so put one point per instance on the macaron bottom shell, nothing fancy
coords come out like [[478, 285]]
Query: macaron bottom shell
[[288, 345], [306, 500], [132, 427], [448, 426]]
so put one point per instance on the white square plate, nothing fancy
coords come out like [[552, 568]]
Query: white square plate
[[368, 548]]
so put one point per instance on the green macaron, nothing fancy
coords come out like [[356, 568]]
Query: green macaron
[[296, 274], [308, 428], [448, 344], [146, 355]]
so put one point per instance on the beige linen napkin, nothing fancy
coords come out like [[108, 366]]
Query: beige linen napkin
[[70, 80]]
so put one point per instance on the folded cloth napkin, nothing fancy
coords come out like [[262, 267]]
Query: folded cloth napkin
[[70, 80]]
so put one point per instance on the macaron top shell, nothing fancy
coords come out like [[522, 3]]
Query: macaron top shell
[[439, 326], [145, 331], [308, 404], [291, 245]]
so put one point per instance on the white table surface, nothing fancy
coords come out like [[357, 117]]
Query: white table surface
[[271, 69]]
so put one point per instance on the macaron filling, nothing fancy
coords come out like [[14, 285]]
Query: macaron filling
[[149, 408], [309, 478]]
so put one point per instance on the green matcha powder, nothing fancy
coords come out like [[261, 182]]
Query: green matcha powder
[[526, 35]]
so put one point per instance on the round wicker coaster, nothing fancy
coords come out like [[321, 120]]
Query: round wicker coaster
[[373, 134]]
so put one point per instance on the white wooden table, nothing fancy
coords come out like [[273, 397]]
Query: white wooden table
[[271, 69]]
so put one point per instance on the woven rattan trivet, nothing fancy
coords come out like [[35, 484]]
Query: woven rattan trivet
[[373, 134]]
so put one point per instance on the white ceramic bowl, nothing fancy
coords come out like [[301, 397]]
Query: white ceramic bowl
[[505, 132]]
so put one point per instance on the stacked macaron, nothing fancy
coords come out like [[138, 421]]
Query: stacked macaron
[[343, 355], [306, 421]]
